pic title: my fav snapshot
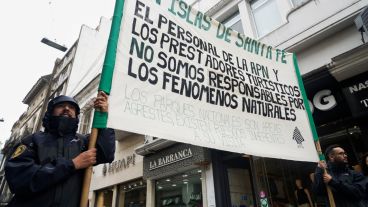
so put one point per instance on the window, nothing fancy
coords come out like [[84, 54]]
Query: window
[[34, 122], [276, 180], [266, 16], [234, 22], [86, 121], [132, 194]]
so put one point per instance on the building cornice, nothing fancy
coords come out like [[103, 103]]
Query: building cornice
[[153, 146], [44, 80], [350, 63]]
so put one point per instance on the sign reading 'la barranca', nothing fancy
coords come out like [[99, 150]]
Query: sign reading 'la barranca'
[[182, 76]]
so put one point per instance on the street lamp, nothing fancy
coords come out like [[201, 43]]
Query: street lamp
[[53, 44]]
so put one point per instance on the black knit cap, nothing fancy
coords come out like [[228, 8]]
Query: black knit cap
[[55, 101]]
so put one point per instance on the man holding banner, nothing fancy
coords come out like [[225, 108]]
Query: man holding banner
[[348, 186], [46, 168]]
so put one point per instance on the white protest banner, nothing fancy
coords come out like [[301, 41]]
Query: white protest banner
[[179, 75]]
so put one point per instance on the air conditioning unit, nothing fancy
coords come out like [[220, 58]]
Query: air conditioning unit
[[361, 21]]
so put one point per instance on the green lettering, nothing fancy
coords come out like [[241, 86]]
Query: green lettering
[[256, 46], [198, 20], [207, 20], [247, 43], [240, 40], [183, 7], [188, 15], [269, 53]]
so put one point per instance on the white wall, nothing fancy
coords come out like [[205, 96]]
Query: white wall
[[89, 56], [321, 53], [311, 19], [317, 31], [123, 149]]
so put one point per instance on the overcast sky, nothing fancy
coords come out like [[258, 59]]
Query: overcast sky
[[24, 59]]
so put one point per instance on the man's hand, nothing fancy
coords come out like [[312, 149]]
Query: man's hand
[[85, 159], [327, 178], [322, 164], [101, 102]]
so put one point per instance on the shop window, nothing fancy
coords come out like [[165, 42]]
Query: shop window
[[182, 190], [104, 198], [266, 16], [276, 180], [234, 22], [132, 194]]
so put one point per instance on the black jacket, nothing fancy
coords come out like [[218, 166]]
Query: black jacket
[[41, 172], [348, 187]]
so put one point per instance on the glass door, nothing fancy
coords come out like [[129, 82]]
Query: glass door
[[240, 182]]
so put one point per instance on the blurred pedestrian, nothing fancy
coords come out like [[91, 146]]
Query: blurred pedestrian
[[302, 194]]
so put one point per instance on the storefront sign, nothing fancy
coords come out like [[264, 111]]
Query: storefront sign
[[355, 91], [182, 76], [119, 165], [325, 98], [171, 158]]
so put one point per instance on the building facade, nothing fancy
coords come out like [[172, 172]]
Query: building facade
[[28, 123], [47, 87]]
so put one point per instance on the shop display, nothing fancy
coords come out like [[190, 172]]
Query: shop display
[[183, 190]]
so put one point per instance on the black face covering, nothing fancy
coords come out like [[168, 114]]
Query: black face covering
[[63, 125]]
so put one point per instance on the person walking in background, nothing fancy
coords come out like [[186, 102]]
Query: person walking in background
[[348, 186], [46, 168], [302, 194]]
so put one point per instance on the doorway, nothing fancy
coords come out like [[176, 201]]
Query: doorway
[[234, 183]]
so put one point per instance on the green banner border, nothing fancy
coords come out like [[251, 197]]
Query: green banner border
[[307, 107], [100, 118]]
